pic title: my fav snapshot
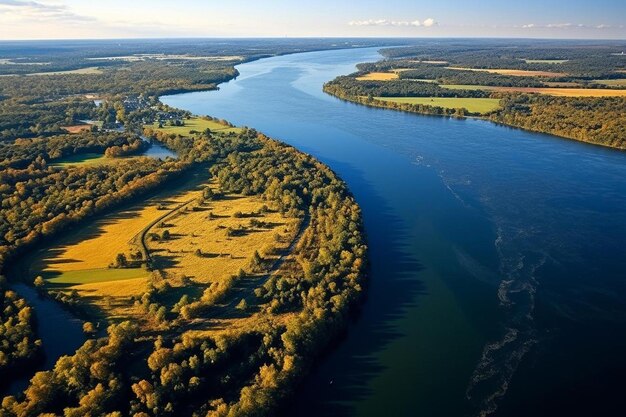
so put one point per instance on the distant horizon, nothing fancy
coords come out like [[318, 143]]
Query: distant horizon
[[313, 37]]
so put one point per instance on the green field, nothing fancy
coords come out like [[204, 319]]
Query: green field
[[195, 123], [89, 276], [620, 82], [83, 159], [474, 105]]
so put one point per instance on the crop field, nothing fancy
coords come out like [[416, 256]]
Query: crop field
[[378, 76], [80, 260], [474, 105], [209, 241], [197, 124], [82, 71], [553, 91], [514, 72], [620, 82]]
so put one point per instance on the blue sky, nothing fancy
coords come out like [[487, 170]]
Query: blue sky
[[42, 19]]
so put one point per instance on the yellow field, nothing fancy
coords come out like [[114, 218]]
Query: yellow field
[[378, 76], [514, 72], [227, 231], [221, 255]]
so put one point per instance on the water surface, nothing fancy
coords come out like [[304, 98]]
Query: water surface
[[497, 255]]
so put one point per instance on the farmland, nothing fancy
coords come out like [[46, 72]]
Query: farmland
[[378, 76], [474, 105]]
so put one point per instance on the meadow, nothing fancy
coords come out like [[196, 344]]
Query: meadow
[[82, 159], [197, 124], [474, 105]]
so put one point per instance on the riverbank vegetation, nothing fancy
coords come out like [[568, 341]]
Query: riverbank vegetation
[[218, 291], [579, 96]]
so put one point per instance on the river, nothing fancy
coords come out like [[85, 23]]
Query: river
[[497, 255]]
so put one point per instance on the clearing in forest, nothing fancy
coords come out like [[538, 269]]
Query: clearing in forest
[[195, 124]]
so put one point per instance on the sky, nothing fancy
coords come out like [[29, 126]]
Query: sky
[[89, 19]]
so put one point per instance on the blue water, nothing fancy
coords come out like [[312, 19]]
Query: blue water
[[497, 255]]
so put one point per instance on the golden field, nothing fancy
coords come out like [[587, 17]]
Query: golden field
[[378, 76]]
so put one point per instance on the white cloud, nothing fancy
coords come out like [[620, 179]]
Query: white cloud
[[568, 26], [384, 22], [429, 22], [16, 11]]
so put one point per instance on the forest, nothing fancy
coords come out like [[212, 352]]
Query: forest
[[171, 369]]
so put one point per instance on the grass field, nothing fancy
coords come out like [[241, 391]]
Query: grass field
[[553, 91], [474, 105], [195, 123], [514, 72], [221, 255], [621, 82], [80, 260], [83, 71], [209, 242], [378, 76], [545, 61], [76, 128], [83, 159]]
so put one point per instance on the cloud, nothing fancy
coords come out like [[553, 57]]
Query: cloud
[[568, 26], [15, 11], [384, 22]]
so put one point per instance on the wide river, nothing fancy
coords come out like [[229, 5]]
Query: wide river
[[498, 256]]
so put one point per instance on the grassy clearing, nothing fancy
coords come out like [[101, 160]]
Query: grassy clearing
[[513, 72], [379, 76], [220, 254], [82, 71], [195, 123], [209, 241], [80, 260], [83, 159], [474, 105], [553, 91], [613, 83], [545, 61], [74, 129]]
